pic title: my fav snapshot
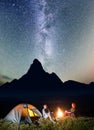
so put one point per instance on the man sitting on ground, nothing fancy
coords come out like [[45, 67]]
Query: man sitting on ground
[[46, 113]]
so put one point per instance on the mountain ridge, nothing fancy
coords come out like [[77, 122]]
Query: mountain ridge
[[37, 79]]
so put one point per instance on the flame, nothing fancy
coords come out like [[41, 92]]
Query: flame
[[60, 113]]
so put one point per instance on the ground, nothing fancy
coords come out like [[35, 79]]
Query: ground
[[66, 123]]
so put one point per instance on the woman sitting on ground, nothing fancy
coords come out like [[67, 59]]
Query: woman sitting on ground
[[72, 111]]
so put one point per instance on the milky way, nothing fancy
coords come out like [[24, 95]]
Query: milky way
[[57, 32], [45, 31]]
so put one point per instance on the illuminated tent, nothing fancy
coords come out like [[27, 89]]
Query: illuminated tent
[[23, 113]]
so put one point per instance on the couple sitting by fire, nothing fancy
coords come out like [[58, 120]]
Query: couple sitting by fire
[[47, 114]]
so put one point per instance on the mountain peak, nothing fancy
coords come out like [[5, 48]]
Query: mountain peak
[[36, 61], [35, 67]]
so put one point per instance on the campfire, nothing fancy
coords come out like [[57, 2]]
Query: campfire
[[59, 114]]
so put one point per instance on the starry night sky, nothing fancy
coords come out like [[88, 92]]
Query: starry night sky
[[60, 33]]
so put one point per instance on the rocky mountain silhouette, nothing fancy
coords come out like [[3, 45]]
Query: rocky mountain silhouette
[[37, 81], [37, 84]]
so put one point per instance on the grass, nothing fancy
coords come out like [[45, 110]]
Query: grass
[[64, 124]]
